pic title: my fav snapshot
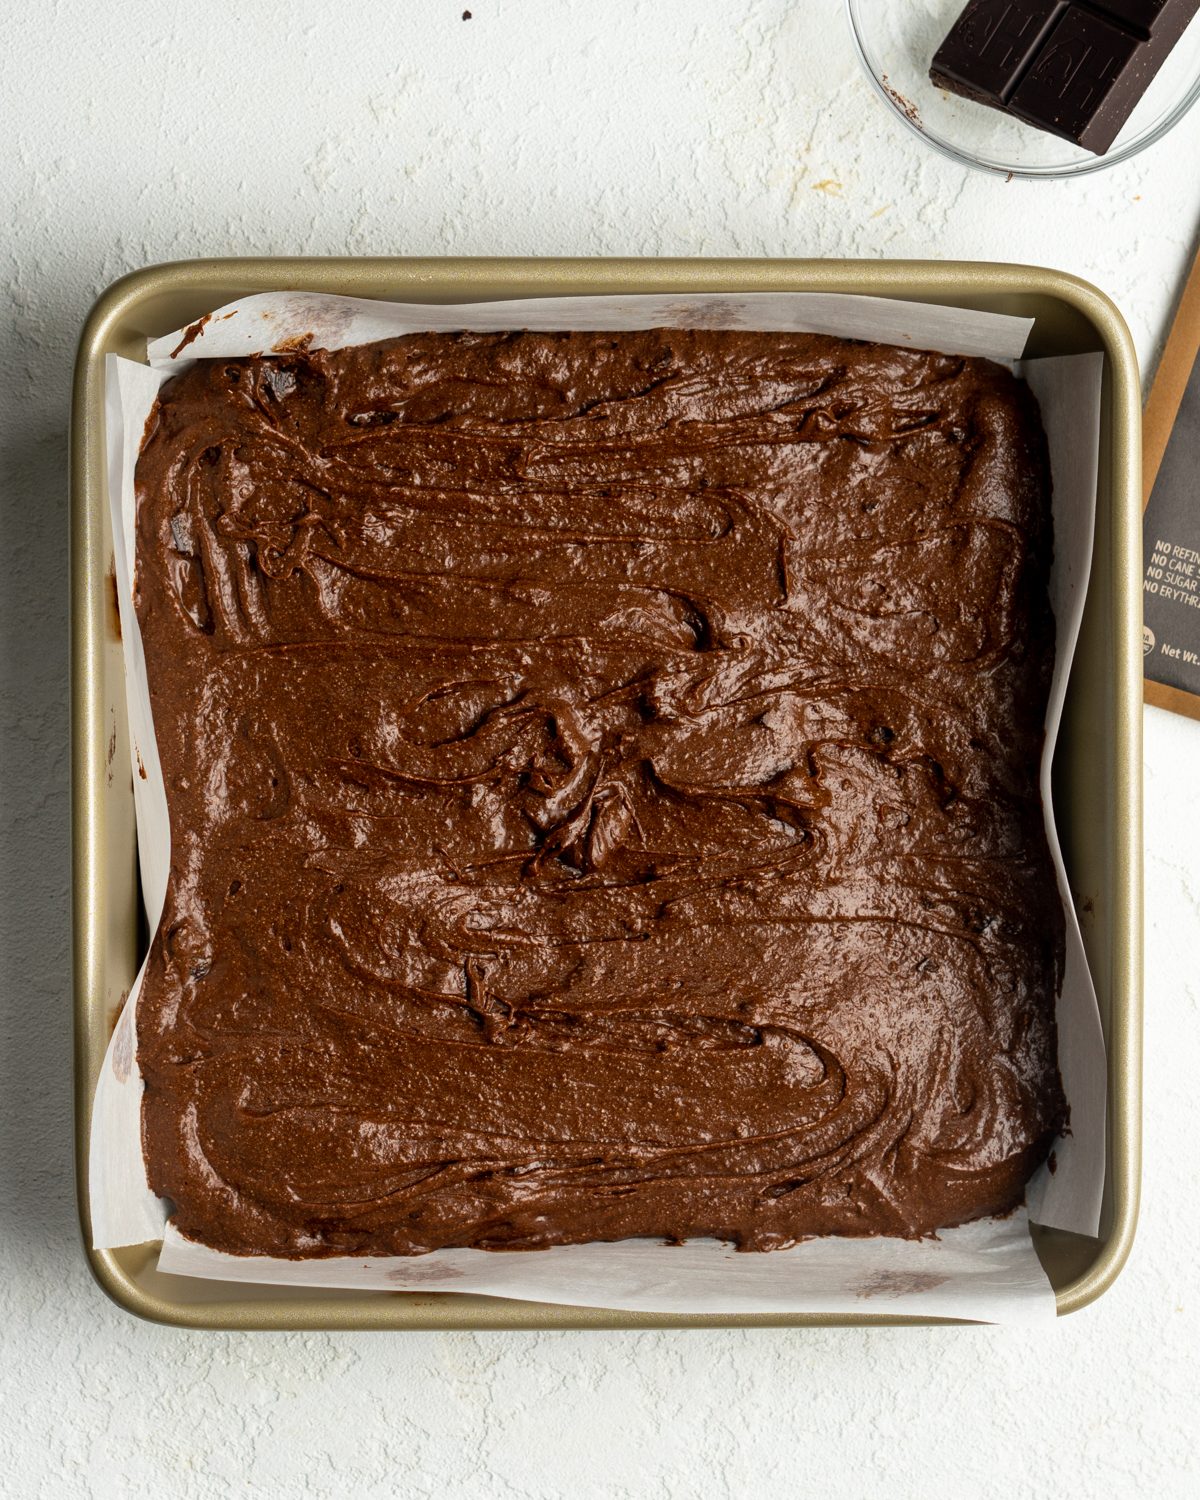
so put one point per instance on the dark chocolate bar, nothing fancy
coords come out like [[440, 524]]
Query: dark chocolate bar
[[1076, 68]]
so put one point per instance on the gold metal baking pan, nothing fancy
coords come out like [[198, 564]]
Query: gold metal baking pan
[[1097, 767]]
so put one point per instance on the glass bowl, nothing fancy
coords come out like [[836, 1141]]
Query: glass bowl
[[896, 40]]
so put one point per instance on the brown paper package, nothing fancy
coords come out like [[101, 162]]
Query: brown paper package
[[1166, 464]]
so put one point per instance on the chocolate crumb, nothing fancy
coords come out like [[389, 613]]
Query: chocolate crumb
[[905, 105], [192, 331], [299, 343], [114, 1014], [114, 598]]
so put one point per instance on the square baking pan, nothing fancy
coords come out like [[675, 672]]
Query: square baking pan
[[1097, 772]]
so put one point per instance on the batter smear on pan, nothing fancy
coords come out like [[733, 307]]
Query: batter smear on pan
[[602, 774]]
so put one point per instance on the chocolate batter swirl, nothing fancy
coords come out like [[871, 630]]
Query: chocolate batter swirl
[[603, 789]]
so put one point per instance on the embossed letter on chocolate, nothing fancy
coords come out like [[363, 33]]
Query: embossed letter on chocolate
[[603, 779], [1075, 69]]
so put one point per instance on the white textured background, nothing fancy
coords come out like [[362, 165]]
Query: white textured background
[[676, 127]]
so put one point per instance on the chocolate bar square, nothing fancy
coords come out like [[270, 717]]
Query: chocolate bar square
[[1081, 80], [993, 43], [1141, 16]]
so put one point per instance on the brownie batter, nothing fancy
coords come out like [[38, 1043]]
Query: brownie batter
[[603, 789]]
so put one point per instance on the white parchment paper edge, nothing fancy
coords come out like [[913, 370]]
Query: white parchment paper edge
[[985, 1271]]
